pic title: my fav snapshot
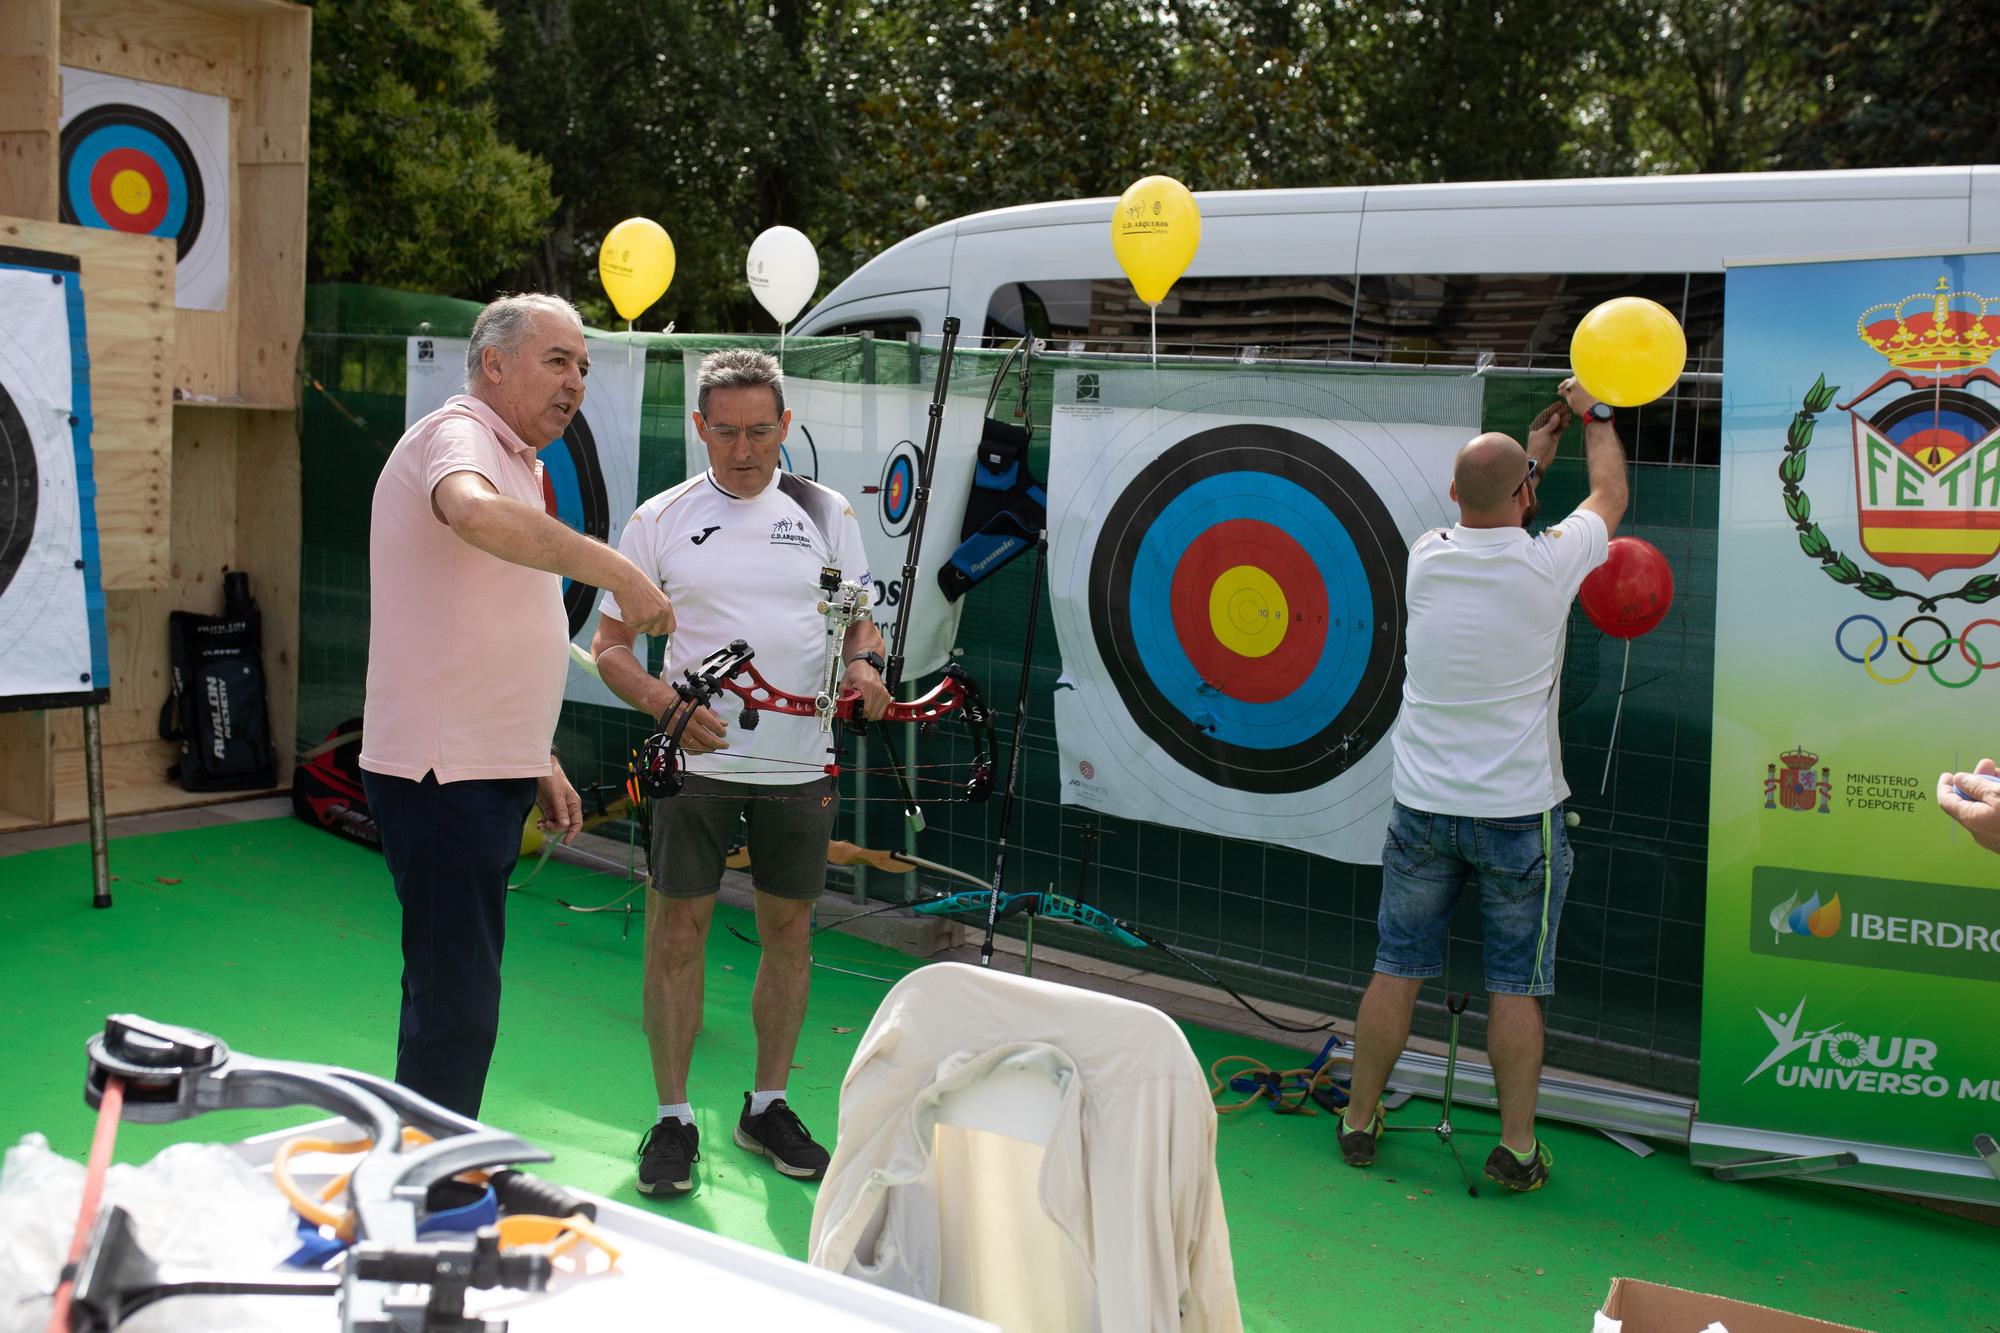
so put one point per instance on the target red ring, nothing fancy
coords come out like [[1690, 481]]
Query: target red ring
[[1258, 545], [106, 170]]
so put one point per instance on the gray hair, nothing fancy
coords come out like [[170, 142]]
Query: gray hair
[[740, 368], [505, 322]]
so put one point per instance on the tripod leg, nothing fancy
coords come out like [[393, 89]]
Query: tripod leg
[[1464, 1174]]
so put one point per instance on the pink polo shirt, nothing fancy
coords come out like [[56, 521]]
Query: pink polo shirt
[[467, 652]]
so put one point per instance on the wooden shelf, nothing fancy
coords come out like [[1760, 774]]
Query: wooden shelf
[[182, 495], [135, 783]]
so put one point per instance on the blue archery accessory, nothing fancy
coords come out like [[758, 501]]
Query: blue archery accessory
[[1007, 509], [1331, 1097], [480, 1208]]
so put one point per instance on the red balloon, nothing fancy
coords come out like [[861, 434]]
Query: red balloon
[[1629, 594]]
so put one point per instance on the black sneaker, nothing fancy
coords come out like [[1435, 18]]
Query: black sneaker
[[1503, 1168], [667, 1156], [1357, 1146], [781, 1136]]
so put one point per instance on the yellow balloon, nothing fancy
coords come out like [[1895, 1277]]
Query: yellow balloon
[[1628, 351], [1155, 231], [635, 263]]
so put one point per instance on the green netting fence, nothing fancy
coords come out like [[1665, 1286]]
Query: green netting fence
[[1274, 921]]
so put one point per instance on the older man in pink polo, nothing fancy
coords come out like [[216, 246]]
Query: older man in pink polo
[[468, 647]]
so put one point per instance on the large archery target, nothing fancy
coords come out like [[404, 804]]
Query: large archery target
[[1246, 595], [151, 160], [573, 490], [47, 652]]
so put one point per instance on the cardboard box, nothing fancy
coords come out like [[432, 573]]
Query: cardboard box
[[1648, 1307]]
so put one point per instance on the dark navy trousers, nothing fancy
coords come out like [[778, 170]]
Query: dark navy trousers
[[451, 848]]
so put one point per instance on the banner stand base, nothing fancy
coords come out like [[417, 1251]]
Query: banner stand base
[[1788, 1166], [1749, 1154]]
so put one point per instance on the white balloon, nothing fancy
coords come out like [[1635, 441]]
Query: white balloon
[[783, 269]]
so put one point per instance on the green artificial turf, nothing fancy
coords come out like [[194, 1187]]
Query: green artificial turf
[[282, 940]]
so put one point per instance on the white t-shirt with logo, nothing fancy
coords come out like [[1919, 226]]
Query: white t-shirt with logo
[[1489, 615], [748, 567]]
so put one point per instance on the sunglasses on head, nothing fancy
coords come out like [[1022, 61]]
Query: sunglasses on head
[[1533, 468]]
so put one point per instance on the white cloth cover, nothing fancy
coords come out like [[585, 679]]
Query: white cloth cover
[[1127, 1173]]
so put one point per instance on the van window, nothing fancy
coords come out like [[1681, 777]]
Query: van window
[[1523, 319], [1284, 316], [889, 328]]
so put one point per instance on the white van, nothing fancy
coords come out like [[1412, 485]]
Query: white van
[[1409, 273]]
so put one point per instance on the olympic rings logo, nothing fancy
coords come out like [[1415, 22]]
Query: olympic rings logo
[[1878, 647]]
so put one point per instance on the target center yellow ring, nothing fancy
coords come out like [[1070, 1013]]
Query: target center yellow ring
[[131, 191], [1247, 611]]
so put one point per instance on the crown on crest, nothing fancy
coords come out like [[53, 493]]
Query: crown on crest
[[1799, 757], [1940, 330]]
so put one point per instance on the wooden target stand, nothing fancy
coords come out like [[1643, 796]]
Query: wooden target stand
[[195, 441]]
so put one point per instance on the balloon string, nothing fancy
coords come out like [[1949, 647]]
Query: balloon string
[[1616, 714]]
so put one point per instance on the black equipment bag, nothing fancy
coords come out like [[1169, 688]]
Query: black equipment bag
[[217, 708], [326, 787]]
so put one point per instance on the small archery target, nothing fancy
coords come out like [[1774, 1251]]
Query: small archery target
[[151, 160], [573, 491], [897, 494], [1246, 594]]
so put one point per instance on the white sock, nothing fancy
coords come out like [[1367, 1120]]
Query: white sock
[[681, 1111], [760, 1102]]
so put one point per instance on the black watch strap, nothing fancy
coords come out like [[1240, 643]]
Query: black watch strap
[[872, 658]]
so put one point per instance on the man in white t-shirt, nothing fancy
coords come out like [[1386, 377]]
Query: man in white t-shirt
[[740, 550], [1478, 766]]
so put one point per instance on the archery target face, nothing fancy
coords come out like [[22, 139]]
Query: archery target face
[[573, 491], [1246, 594], [45, 621], [151, 160], [897, 493], [798, 455], [1227, 554]]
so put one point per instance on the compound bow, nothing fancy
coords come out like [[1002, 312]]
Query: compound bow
[[662, 763]]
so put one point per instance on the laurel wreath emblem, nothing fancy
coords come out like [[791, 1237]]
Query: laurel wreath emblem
[[1813, 539]]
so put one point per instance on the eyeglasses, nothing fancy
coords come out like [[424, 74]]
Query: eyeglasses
[[1529, 480], [728, 435]]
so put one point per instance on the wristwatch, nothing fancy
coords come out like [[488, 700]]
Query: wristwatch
[[871, 658], [1601, 412]]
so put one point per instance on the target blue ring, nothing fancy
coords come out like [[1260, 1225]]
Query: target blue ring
[[96, 144], [896, 500], [1350, 609]]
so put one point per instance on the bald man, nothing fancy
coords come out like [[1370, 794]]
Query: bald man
[[1478, 774]]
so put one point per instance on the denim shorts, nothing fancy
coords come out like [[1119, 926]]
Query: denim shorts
[[1427, 860]]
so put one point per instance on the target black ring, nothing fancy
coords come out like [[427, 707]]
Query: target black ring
[[20, 489], [111, 116], [1363, 718], [579, 597]]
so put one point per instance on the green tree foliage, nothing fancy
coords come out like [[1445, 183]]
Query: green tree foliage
[[465, 148], [1899, 83], [411, 184]]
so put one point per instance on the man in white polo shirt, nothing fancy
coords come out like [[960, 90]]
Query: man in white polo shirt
[[739, 549], [1478, 766]]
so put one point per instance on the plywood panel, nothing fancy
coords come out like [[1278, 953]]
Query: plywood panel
[[30, 108], [130, 59], [128, 306], [167, 26], [25, 775], [271, 148], [268, 524]]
